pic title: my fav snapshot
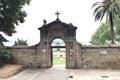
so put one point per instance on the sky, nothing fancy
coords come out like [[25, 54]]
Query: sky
[[77, 12]]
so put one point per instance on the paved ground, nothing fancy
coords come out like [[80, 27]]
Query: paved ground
[[60, 73]]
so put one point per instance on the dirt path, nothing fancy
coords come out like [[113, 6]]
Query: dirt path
[[9, 70]]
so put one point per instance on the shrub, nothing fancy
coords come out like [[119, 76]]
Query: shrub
[[4, 56], [20, 42]]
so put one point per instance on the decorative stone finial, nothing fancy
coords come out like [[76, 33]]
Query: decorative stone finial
[[45, 22]]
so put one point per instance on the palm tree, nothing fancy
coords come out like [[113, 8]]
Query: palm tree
[[108, 8], [118, 1]]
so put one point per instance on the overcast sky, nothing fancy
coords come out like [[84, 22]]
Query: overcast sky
[[77, 12]]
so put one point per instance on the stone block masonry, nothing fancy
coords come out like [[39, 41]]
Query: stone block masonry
[[23, 55], [87, 57], [100, 57]]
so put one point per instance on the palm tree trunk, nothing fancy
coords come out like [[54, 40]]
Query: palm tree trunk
[[111, 27]]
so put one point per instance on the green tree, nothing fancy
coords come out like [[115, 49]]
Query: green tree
[[5, 56], [117, 30], [20, 42], [118, 1], [2, 39], [102, 34], [108, 8], [11, 14]]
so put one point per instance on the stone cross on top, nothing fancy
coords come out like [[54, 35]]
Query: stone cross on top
[[57, 14]]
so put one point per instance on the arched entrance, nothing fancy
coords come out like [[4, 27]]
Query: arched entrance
[[58, 52], [54, 30]]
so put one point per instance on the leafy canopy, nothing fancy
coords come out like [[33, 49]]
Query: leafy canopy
[[110, 9], [102, 34], [11, 14], [105, 8], [118, 2], [5, 56]]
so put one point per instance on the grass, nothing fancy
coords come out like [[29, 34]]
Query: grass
[[59, 60]]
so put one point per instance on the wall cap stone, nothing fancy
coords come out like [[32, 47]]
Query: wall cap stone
[[100, 46], [20, 47]]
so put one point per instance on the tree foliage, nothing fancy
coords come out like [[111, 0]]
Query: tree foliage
[[5, 56], [20, 42], [118, 2], [2, 39], [102, 34], [11, 14], [110, 9]]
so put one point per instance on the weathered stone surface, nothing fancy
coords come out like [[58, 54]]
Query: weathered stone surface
[[23, 55], [101, 57]]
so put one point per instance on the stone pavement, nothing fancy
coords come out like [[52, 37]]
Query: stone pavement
[[58, 72]]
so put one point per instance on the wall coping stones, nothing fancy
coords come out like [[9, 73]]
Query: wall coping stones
[[20, 47], [100, 46]]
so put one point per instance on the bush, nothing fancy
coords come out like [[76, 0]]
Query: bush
[[4, 56], [21, 43]]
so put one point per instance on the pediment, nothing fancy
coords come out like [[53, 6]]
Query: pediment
[[57, 24]]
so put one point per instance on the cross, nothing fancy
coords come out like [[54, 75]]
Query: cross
[[57, 14]]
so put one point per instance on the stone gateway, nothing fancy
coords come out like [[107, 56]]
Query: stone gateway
[[54, 30], [77, 55]]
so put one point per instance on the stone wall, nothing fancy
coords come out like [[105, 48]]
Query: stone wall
[[87, 57], [78, 56], [98, 57], [23, 55]]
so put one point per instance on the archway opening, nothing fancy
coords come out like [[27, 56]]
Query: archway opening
[[58, 52]]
